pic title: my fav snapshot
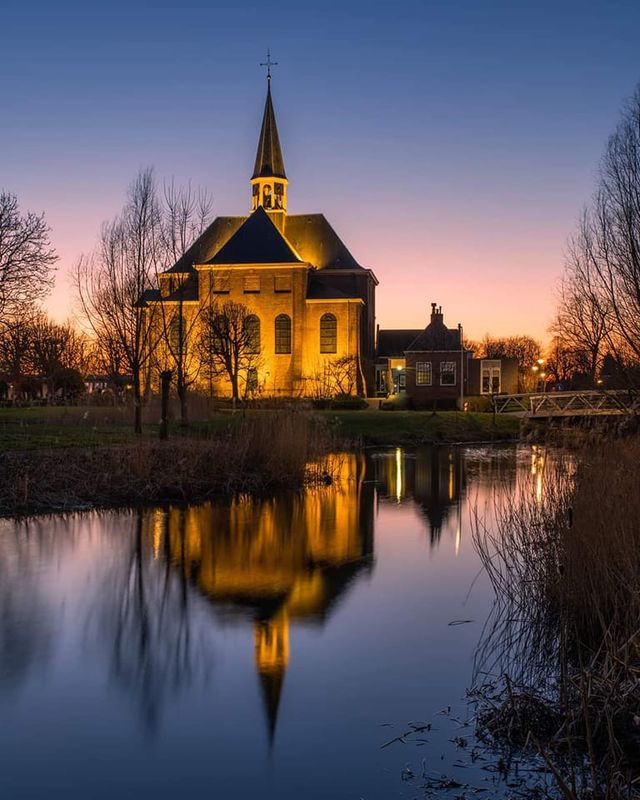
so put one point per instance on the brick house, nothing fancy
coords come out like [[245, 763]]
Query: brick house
[[436, 364]]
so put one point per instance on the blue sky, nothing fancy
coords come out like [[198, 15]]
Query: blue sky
[[451, 144]]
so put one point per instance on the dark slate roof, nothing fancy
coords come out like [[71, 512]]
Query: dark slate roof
[[393, 343], [310, 234], [269, 161], [436, 336], [317, 242], [257, 241], [319, 288], [208, 243]]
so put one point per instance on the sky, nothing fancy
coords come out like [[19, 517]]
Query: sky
[[451, 143]]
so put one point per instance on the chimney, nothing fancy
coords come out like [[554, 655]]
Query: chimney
[[436, 313]]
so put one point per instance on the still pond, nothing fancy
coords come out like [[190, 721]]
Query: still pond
[[254, 648]]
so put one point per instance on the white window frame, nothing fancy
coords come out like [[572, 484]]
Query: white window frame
[[493, 367], [451, 369], [428, 369]]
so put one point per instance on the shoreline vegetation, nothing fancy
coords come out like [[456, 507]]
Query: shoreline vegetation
[[563, 644], [63, 458]]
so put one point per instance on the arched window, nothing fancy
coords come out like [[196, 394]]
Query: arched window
[[328, 334], [176, 333], [283, 334], [252, 332]]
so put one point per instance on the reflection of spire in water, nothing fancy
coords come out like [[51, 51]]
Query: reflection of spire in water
[[280, 561], [272, 657]]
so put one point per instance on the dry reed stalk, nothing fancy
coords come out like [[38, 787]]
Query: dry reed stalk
[[566, 573], [259, 454]]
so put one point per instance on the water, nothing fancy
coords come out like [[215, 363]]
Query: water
[[252, 648]]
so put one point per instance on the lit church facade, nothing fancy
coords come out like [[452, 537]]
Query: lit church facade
[[310, 304]]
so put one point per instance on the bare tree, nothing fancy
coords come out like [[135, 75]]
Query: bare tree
[[608, 241], [15, 345], [229, 345], [59, 353], [524, 349], [26, 256], [584, 320], [185, 214], [111, 284]]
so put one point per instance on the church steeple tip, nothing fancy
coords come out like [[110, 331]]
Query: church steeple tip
[[269, 179]]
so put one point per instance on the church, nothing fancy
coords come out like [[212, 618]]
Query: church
[[310, 304]]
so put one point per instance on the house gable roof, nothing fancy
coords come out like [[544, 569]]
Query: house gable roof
[[436, 336]]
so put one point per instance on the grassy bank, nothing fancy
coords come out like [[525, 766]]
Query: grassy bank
[[252, 455], [36, 428], [567, 627], [423, 427]]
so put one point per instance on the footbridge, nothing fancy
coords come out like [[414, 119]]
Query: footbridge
[[569, 404]]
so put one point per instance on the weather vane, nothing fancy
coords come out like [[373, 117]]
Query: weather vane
[[268, 64]]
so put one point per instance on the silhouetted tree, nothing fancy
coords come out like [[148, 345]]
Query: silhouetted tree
[[110, 285], [229, 345], [26, 256]]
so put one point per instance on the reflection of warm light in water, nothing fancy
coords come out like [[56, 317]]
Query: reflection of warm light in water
[[451, 479], [537, 469], [158, 526], [398, 474], [458, 529]]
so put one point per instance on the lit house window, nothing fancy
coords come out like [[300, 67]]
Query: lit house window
[[447, 373], [283, 334], [251, 284], [252, 330], [328, 334], [423, 373]]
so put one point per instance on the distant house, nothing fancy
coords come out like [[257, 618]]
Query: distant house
[[436, 364], [432, 369], [489, 376]]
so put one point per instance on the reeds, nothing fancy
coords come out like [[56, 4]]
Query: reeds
[[565, 566], [256, 454]]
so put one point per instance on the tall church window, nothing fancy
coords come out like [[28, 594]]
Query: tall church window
[[176, 333], [252, 331], [283, 334], [328, 334]]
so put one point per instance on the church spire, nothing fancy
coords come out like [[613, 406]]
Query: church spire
[[269, 180]]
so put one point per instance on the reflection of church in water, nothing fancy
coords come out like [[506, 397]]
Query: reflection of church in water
[[434, 477], [287, 561], [279, 563]]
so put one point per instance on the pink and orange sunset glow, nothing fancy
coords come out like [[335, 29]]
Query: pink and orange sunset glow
[[452, 146]]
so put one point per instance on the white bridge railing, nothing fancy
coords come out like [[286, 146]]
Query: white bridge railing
[[565, 404]]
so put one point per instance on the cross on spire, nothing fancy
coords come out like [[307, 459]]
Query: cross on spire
[[268, 64]]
